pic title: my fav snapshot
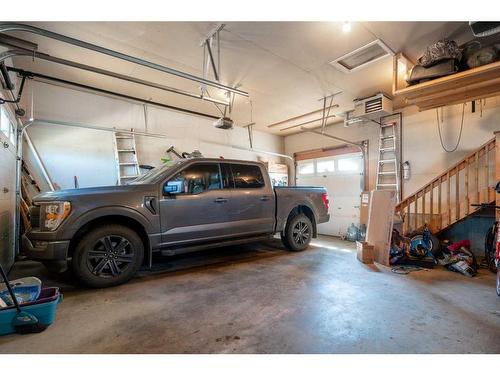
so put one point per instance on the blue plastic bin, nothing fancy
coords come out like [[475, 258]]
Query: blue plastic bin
[[44, 308]]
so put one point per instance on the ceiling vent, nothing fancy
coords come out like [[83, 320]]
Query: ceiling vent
[[362, 57]]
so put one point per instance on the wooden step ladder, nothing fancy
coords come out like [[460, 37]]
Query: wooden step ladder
[[388, 171], [127, 164]]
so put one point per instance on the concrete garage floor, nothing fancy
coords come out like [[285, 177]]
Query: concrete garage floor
[[262, 299]]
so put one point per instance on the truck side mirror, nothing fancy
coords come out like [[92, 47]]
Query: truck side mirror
[[172, 188]]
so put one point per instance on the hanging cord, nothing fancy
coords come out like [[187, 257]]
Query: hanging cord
[[459, 135]]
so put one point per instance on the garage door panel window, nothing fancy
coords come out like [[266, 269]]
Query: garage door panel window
[[352, 164], [247, 176], [337, 165], [305, 168], [195, 179], [325, 166]]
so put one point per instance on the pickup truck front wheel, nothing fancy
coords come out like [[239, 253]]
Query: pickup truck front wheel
[[298, 233], [107, 256]]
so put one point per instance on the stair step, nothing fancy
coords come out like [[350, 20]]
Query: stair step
[[385, 185], [123, 137], [127, 150], [128, 163], [387, 173], [129, 176], [388, 149], [387, 137]]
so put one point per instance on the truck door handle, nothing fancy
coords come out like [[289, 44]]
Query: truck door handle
[[265, 198], [220, 200]]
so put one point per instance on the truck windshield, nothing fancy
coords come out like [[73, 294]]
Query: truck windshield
[[154, 175]]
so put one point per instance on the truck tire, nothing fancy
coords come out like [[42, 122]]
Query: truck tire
[[298, 233], [107, 256]]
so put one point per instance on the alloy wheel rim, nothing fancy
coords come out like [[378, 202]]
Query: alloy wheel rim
[[110, 256], [301, 232]]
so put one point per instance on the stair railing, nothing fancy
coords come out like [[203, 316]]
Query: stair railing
[[448, 197]]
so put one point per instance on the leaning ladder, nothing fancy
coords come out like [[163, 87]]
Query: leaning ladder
[[388, 173], [127, 165]]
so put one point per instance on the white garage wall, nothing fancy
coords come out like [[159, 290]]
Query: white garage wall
[[421, 145], [89, 154]]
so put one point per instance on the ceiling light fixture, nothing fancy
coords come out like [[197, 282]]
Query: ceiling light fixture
[[346, 27]]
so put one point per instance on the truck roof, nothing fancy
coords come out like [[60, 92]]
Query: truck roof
[[221, 160]]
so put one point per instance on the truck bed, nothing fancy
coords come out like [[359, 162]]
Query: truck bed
[[310, 198]]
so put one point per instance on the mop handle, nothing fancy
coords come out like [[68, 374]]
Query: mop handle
[[13, 296]]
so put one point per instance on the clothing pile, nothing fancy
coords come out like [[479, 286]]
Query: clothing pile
[[418, 251], [457, 257]]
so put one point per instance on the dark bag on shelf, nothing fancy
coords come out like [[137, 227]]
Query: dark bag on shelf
[[439, 51], [483, 56], [419, 73]]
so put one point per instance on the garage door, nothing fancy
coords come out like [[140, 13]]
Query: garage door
[[341, 176], [7, 188]]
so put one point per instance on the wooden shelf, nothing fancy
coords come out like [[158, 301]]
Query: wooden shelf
[[472, 84]]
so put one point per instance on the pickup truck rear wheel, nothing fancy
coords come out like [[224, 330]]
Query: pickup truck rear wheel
[[108, 256], [298, 233]]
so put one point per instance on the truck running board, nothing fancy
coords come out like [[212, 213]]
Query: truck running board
[[212, 245]]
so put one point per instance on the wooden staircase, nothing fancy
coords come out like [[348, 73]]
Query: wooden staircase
[[448, 198]]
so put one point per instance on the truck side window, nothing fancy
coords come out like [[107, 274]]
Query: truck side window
[[195, 180], [247, 176]]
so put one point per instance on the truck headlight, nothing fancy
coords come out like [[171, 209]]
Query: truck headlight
[[53, 214]]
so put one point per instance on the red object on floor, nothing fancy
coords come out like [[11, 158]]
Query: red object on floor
[[457, 245]]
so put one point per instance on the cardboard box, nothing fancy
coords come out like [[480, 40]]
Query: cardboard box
[[380, 221], [365, 252]]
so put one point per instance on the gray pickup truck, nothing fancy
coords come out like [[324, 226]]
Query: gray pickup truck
[[104, 234]]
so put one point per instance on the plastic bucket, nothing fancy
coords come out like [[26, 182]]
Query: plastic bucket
[[44, 309]]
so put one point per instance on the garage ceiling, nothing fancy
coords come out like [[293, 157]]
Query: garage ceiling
[[283, 65]]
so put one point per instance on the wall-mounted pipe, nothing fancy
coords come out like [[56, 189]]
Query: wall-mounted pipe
[[5, 27]]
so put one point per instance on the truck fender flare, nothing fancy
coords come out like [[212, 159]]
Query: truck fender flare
[[101, 212], [280, 226]]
